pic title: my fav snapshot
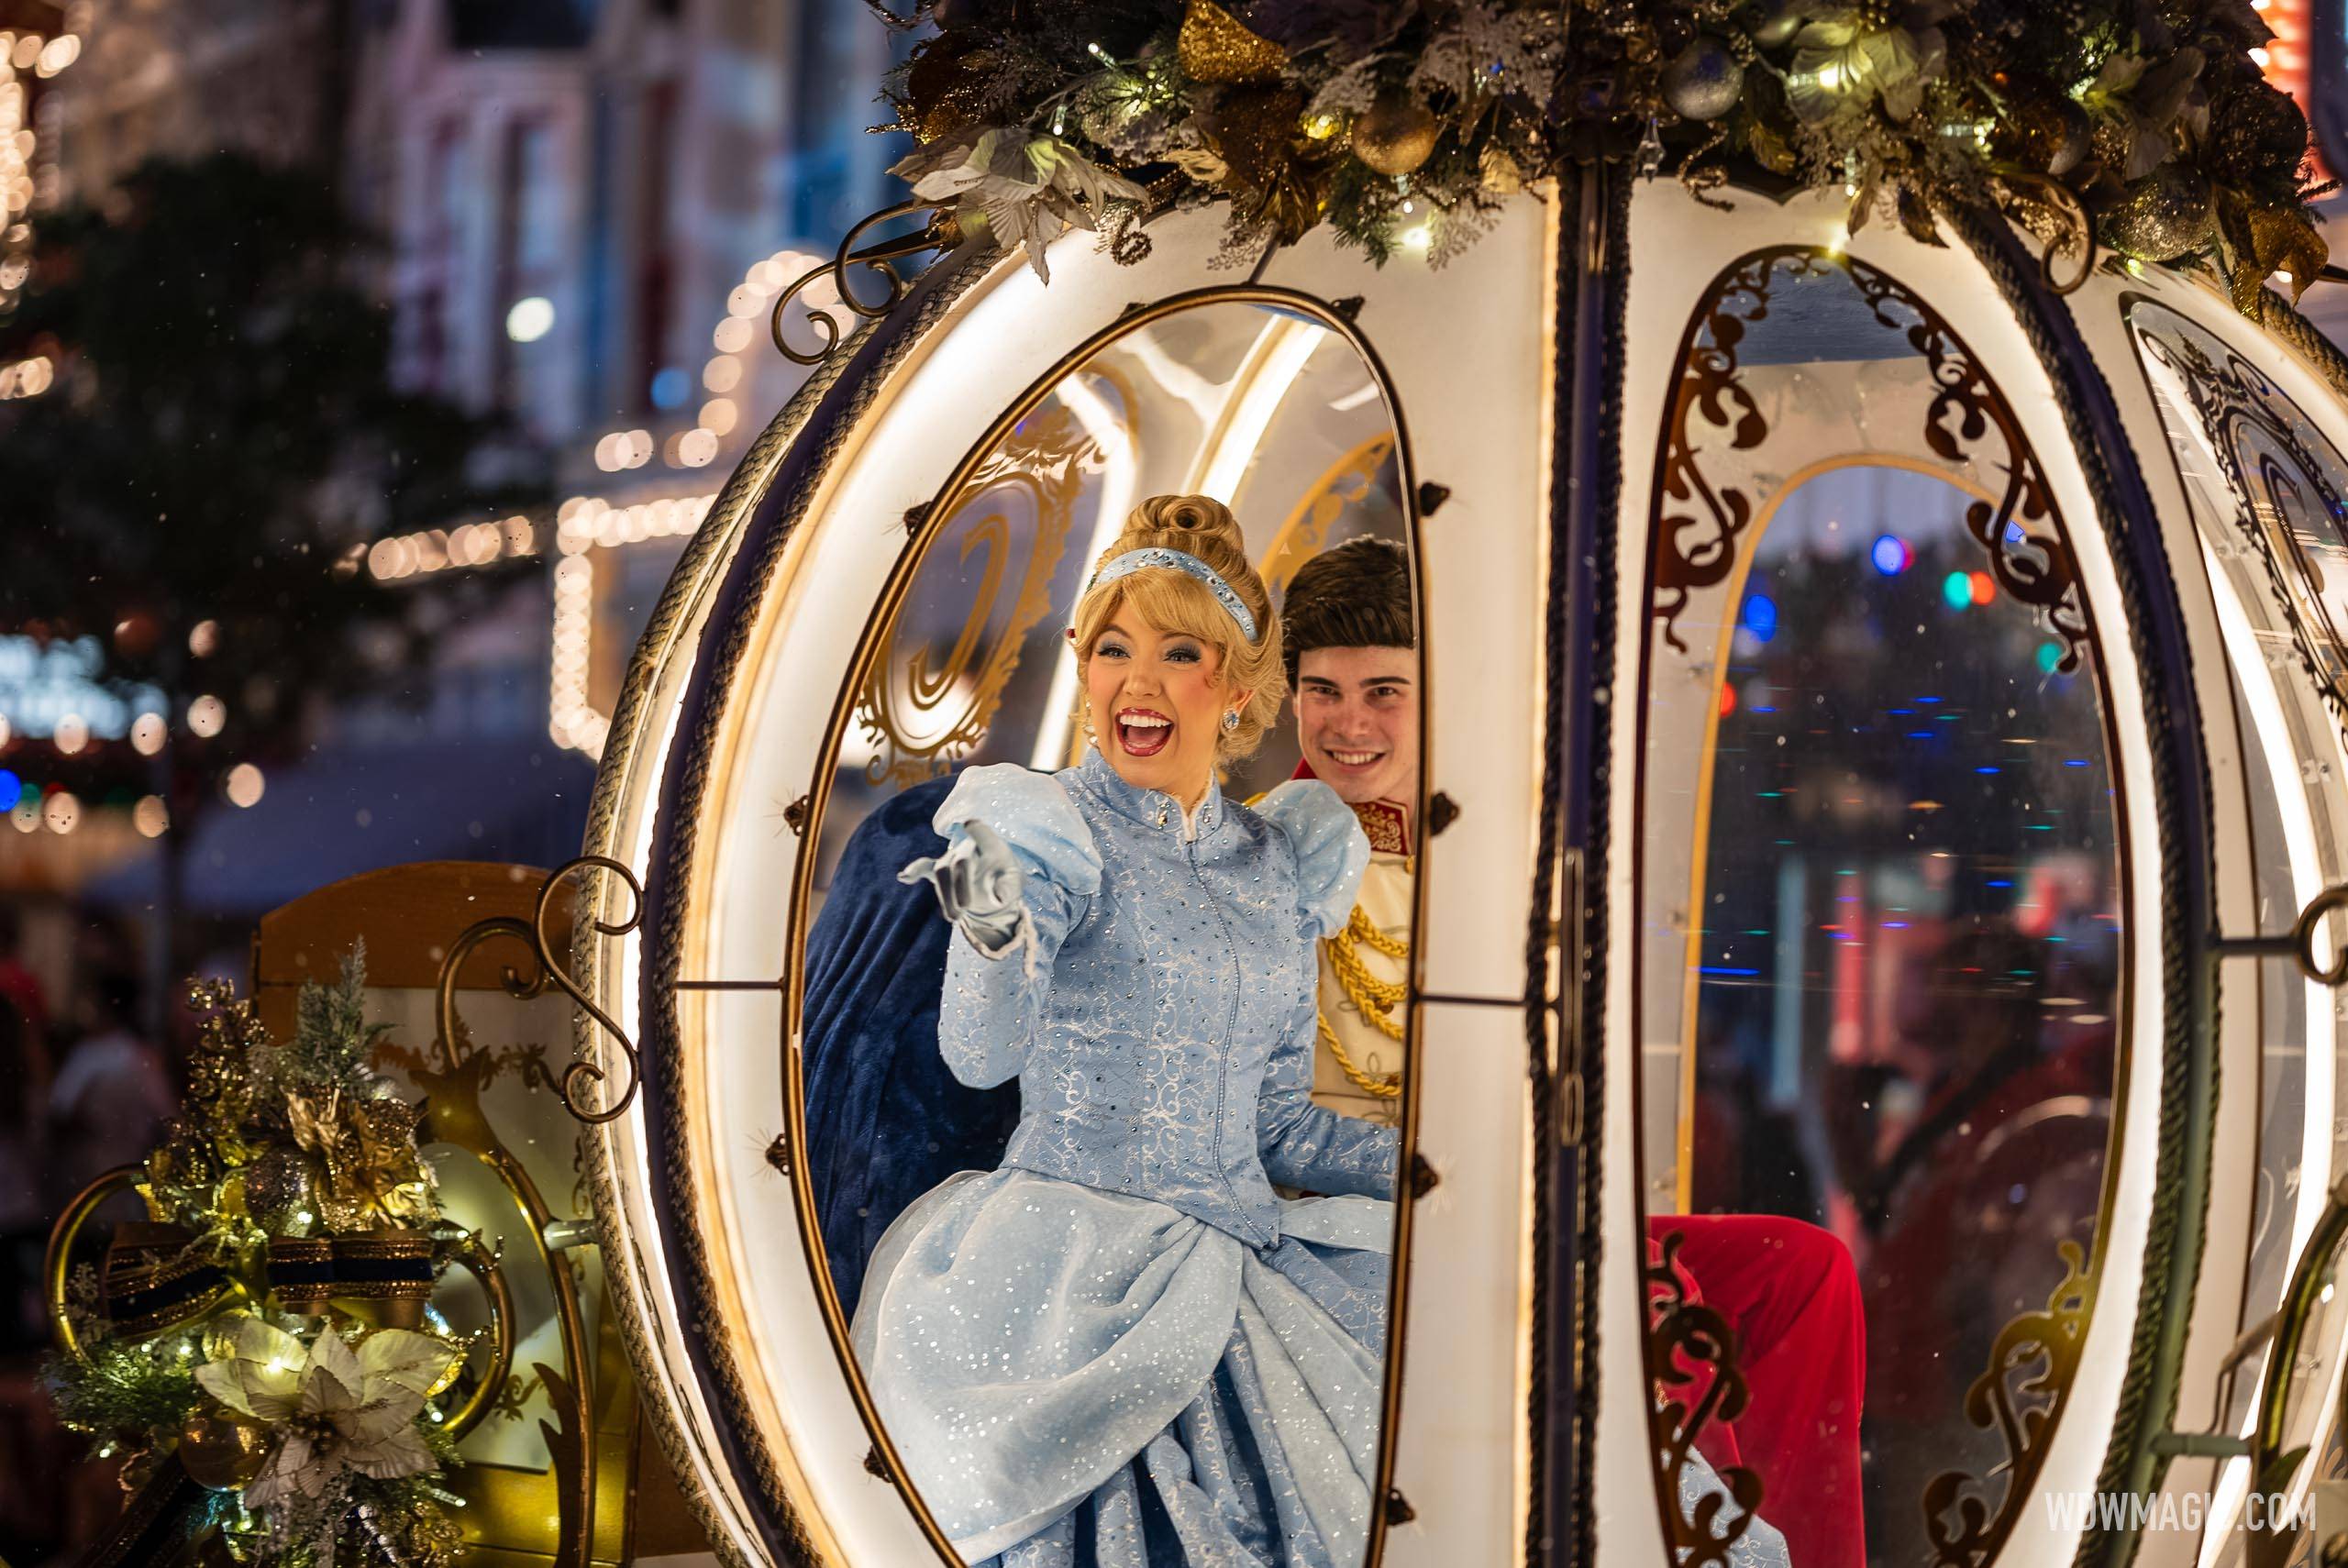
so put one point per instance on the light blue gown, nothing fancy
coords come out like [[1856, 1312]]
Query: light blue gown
[[1124, 1347]]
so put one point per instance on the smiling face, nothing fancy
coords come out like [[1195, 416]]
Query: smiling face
[[1157, 700], [1358, 722]]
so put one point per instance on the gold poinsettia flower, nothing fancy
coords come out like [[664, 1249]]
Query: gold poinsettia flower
[[366, 1150], [334, 1408]]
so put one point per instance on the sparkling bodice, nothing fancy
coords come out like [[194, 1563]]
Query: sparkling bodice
[[1161, 1022]]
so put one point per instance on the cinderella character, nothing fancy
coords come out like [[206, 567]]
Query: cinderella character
[[1122, 1347]]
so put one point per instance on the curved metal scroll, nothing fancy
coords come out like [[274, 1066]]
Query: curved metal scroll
[[938, 234], [2271, 1467], [452, 1093], [482, 1263], [57, 1260], [2297, 943], [534, 934], [2050, 210]]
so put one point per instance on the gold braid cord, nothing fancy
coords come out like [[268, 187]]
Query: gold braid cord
[[1374, 998]]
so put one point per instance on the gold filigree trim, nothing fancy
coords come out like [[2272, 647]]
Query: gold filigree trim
[[923, 712], [2017, 1396]]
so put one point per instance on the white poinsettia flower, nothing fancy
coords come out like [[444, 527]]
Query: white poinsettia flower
[[261, 1376], [1844, 61], [1024, 187], [336, 1409]]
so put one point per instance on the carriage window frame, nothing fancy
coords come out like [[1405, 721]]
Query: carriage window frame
[[807, 816], [1874, 284]]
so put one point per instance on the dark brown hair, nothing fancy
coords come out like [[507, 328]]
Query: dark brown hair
[[1356, 595]]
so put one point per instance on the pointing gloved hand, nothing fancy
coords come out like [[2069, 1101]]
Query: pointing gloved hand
[[979, 887]]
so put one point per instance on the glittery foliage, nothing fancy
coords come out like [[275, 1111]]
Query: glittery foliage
[[2146, 126]]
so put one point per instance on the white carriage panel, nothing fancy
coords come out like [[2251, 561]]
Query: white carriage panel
[[1469, 346], [1459, 1457]]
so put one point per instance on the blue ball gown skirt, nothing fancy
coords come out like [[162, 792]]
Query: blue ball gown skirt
[[1076, 1378]]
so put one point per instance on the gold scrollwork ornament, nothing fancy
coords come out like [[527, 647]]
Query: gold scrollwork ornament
[[2017, 1396], [923, 712]]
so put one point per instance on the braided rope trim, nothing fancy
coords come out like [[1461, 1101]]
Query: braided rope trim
[[711, 559], [1541, 1082], [1605, 636], [2284, 320], [2181, 804]]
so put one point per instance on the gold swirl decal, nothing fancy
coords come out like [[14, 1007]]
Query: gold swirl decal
[[2018, 1393], [924, 714], [1691, 1364], [1348, 482]]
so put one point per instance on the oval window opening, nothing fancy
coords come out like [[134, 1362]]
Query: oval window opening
[[1880, 944], [1101, 1185]]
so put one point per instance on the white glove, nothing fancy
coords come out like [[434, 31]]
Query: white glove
[[980, 888]]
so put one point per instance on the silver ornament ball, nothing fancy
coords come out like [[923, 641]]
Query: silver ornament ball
[[1704, 80]]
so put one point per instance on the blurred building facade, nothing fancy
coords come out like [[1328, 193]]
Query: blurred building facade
[[588, 205], [582, 209]]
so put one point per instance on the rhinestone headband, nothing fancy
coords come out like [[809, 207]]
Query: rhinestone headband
[[1182, 561]]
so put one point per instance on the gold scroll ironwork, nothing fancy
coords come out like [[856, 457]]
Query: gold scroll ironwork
[[880, 259]]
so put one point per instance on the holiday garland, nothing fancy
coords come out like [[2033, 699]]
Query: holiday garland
[[265, 1328], [1405, 124]]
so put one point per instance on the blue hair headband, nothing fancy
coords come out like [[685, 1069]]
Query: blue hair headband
[[1182, 561]]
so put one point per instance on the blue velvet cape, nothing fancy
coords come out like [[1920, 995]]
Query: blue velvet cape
[[886, 1121]]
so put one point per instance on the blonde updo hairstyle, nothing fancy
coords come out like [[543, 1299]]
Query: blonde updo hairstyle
[[1174, 602]]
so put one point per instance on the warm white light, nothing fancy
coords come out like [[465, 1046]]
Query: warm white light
[[530, 319], [24, 816], [2259, 57], [611, 453], [732, 335], [244, 785], [1416, 238], [5, 730], [697, 448], [205, 716], [204, 639], [61, 811], [59, 53], [148, 732], [70, 734], [722, 374], [151, 817], [720, 415]]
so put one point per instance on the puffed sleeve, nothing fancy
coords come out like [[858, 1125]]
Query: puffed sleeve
[[1332, 852], [992, 1009], [1303, 1144]]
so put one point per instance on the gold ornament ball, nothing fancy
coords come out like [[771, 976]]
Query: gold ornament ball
[[2164, 215], [222, 1450], [277, 1191], [1703, 81], [1396, 134], [2041, 128]]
